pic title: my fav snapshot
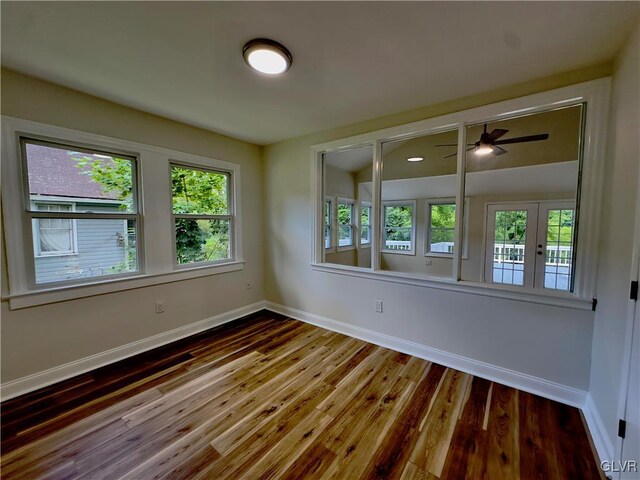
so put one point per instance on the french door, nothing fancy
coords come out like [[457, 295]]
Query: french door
[[530, 245]]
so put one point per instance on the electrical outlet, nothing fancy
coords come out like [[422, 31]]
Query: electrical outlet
[[378, 305], [159, 306], [247, 284], [428, 262]]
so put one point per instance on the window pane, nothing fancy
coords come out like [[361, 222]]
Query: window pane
[[524, 160], [418, 169], [345, 213], [345, 236], [196, 191], [347, 174], [443, 215], [365, 214], [83, 248], [91, 180], [441, 240], [365, 234], [202, 240]]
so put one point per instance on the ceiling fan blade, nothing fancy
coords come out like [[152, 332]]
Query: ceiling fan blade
[[529, 138], [498, 150], [495, 134], [454, 154]]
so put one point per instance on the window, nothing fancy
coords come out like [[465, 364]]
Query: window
[[95, 234], [398, 231], [441, 223], [345, 222], [328, 222], [54, 236], [202, 214], [365, 223], [521, 152]]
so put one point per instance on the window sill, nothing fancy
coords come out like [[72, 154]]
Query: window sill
[[399, 252], [58, 255], [346, 248], [443, 255], [557, 299], [60, 294]]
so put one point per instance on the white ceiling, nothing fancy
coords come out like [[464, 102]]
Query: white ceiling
[[352, 60]]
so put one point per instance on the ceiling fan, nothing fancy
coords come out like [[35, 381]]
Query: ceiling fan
[[489, 143]]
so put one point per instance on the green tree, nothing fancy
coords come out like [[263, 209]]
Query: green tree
[[192, 191]]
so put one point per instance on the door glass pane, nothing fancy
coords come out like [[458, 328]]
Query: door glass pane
[[510, 237], [559, 254]]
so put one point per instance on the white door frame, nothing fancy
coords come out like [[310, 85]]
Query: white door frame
[[530, 240]]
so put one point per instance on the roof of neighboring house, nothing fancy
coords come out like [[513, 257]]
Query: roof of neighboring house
[[54, 171]]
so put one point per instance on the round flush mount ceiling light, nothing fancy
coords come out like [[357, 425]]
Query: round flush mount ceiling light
[[415, 159], [267, 56]]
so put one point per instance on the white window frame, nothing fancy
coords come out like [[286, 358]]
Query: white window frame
[[332, 205], [383, 222], [29, 213], [230, 216], [465, 236], [155, 230], [364, 204], [36, 232], [593, 95], [354, 230]]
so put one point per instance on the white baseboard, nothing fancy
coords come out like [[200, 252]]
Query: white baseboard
[[56, 374], [522, 381], [601, 439]]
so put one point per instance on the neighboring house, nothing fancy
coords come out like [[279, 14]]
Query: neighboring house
[[67, 249]]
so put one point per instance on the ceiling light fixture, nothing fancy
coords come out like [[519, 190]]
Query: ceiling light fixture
[[415, 159], [484, 149], [267, 56]]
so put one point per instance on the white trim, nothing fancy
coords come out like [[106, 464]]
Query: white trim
[[53, 375], [522, 381], [63, 293], [554, 298], [601, 440]]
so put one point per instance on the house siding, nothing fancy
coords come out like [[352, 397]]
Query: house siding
[[98, 250]]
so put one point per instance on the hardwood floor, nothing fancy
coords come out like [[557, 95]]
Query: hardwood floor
[[270, 397]]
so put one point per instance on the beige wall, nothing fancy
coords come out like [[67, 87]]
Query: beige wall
[[38, 338], [548, 342], [619, 200]]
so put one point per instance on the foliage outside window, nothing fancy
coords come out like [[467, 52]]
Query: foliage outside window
[[365, 224], [441, 228], [202, 214], [345, 223], [398, 231]]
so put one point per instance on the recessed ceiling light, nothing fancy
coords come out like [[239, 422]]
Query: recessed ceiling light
[[415, 159], [267, 56]]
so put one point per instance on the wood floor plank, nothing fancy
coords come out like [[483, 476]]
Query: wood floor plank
[[503, 459], [271, 397]]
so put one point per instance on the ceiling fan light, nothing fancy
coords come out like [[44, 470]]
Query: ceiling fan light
[[415, 159], [484, 149], [267, 56]]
